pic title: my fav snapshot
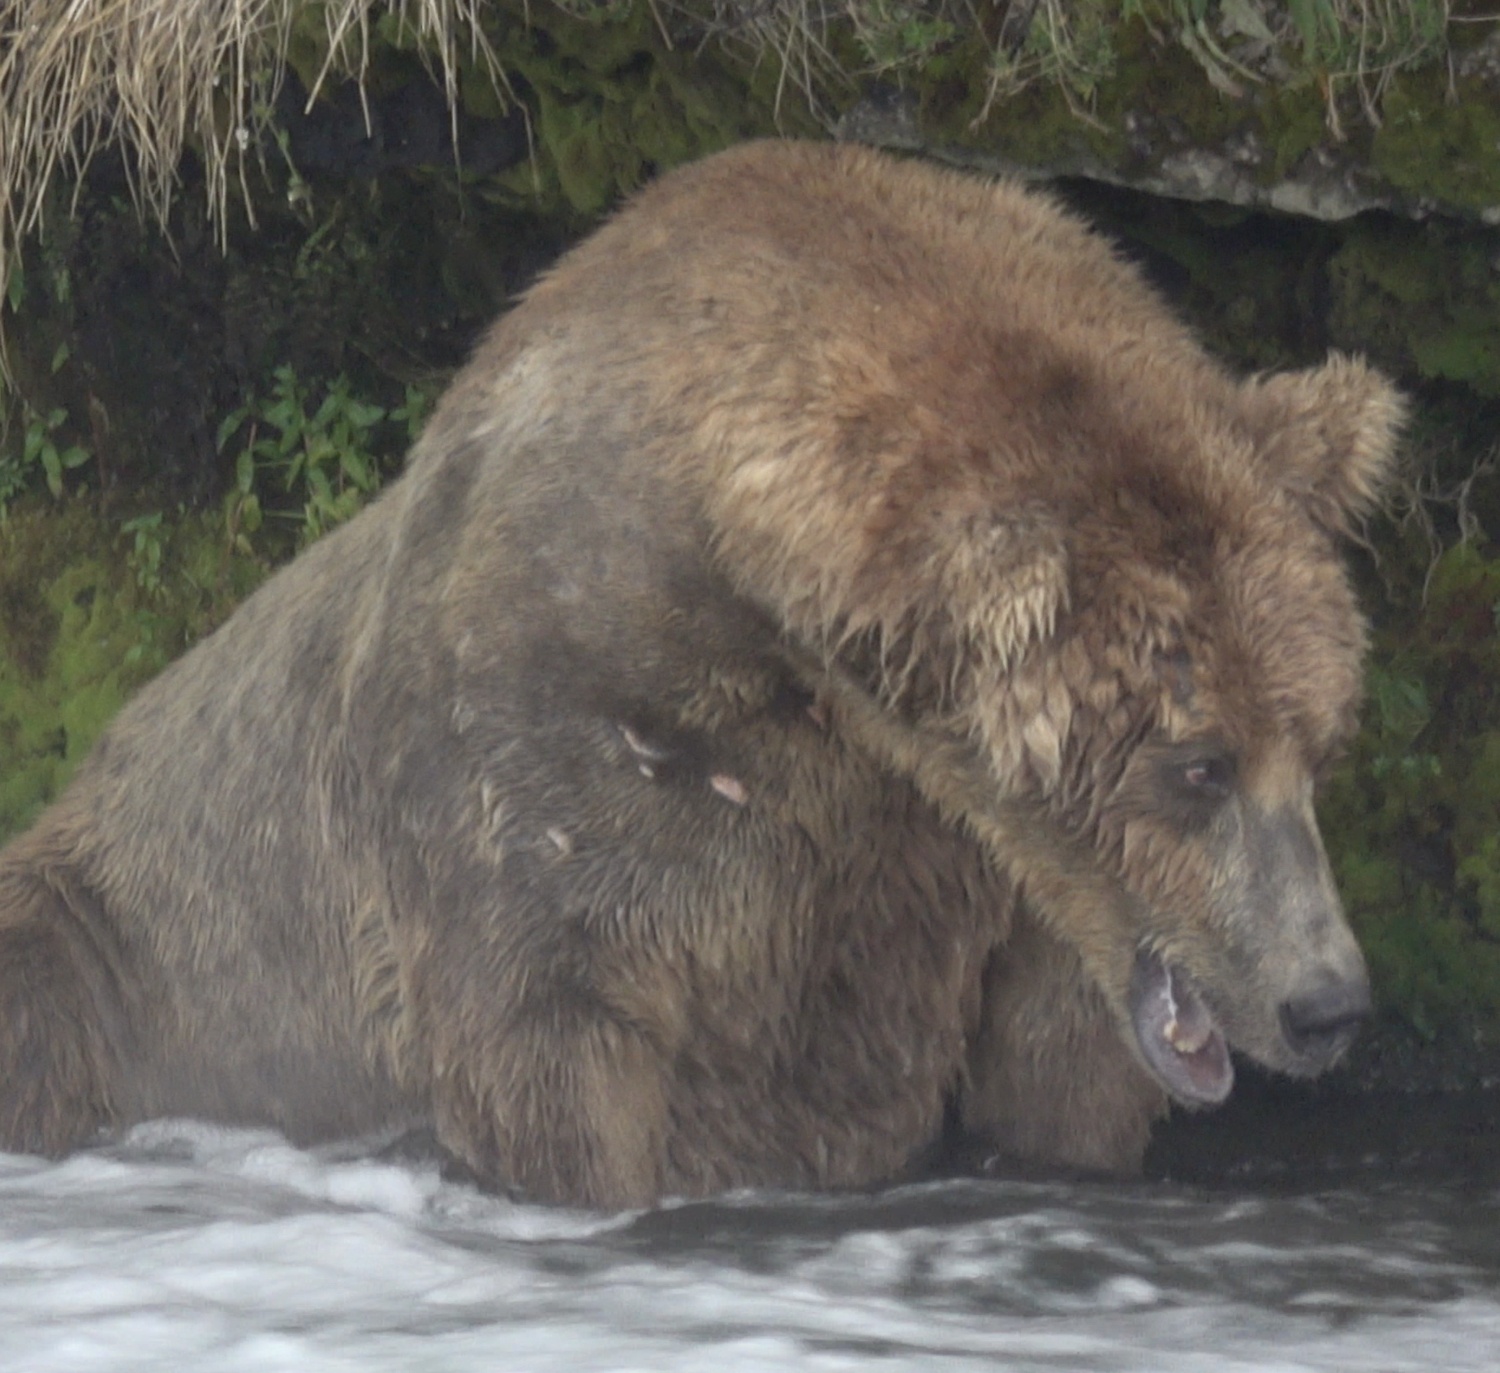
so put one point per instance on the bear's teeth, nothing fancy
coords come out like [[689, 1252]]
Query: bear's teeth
[[1184, 1040], [1187, 1034]]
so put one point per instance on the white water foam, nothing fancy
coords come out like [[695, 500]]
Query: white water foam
[[189, 1247]]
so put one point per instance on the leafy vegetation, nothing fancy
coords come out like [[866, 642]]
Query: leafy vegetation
[[89, 611], [44, 451], [40, 454], [1413, 819], [326, 457]]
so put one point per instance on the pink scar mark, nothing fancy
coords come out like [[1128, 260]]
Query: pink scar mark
[[730, 788]]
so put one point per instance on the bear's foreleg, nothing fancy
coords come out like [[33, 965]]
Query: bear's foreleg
[[63, 1023], [567, 1104], [1050, 1081]]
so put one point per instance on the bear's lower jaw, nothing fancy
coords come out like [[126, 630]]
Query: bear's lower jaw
[[1178, 1036]]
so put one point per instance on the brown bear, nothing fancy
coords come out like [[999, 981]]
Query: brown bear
[[842, 658]]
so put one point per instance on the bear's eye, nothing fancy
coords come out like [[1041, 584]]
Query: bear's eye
[[1209, 777], [1191, 779]]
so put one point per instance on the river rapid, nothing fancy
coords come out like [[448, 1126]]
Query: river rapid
[[187, 1247]]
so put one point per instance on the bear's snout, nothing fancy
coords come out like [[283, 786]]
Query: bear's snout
[[1320, 1023]]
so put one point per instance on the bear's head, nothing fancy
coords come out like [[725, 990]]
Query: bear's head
[[1128, 675], [1202, 672], [1079, 582]]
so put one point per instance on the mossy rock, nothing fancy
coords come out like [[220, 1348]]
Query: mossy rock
[[612, 102], [1422, 297], [1439, 143], [1413, 819]]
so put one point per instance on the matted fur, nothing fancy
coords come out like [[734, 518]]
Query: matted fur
[[766, 716]]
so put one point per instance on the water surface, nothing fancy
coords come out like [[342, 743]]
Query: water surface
[[187, 1247]]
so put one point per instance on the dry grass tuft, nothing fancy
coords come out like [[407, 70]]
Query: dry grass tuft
[[1341, 45], [153, 77]]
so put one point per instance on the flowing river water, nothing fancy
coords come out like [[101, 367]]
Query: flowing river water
[[187, 1247]]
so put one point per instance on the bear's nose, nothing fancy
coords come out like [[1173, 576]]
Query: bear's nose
[[1321, 1023]]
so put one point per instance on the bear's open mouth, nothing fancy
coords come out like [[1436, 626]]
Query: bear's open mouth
[[1182, 1043]]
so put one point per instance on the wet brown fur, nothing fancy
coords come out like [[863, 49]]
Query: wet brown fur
[[741, 735]]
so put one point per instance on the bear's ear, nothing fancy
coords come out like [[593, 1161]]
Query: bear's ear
[[1330, 435]]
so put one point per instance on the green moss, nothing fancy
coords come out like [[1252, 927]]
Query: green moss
[[611, 99], [1422, 296], [612, 104], [79, 633], [1413, 820], [1146, 96], [1291, 121], [1042, 123], [1438, 142]]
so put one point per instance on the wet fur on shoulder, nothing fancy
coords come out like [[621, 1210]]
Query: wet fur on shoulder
[[842, 657]]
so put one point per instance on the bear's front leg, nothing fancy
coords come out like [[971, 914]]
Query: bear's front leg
[[64, 1028], [1050, 1081], [565, 1104], [544, 1037]]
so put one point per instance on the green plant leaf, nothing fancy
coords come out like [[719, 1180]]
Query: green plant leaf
[[244, 472], [52, 467], [229, 426], [285, 414], [333, 402], [1306, 21], [1240, 16], [320, 452], [363, 414], [356, 468]]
